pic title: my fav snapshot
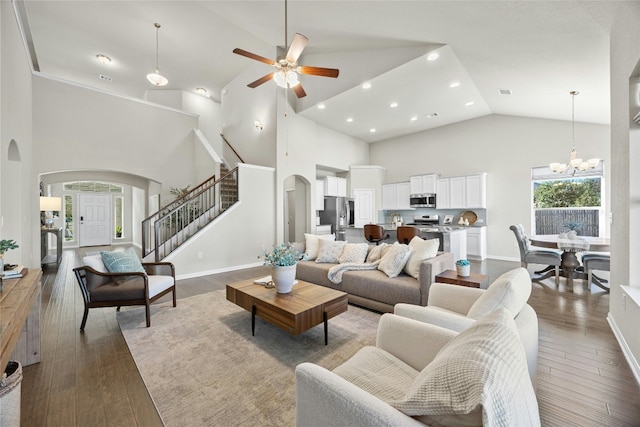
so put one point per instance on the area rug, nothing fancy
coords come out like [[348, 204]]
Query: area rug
[[202, 366]]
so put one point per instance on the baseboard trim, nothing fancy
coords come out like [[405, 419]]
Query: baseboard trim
[[633, 363], [217, 270]]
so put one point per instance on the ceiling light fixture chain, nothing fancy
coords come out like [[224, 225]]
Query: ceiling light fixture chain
[[156, 78], [575, 164]]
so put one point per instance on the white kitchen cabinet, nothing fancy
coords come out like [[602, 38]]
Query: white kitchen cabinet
[[442, 193], [396, 196], [457, 192], [335, 186], [319, 195], [342, 187], [477, 242], [476, 189], [423, 184]]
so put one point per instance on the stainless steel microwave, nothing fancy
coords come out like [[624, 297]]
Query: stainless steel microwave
[[422, 200]]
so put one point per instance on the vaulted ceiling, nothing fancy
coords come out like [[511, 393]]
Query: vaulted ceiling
[[538, 51]]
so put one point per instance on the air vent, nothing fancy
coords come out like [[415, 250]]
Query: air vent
[[505, 91], [105, 78], [636, 118]]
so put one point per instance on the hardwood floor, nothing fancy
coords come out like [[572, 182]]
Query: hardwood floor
[[90, 379]]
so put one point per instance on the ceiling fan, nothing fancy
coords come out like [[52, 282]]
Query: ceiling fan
[[287, 68]]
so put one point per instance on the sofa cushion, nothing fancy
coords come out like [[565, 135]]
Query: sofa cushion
[[354, 252], [330, 251], [312, 242], [376, 252], [375, 285], [378, 372], [511, 291], [420, 250], [122, 261], [317, 273], [478, 378], [394, 260]]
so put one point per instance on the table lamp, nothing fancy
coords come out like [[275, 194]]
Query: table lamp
[[47, 206]]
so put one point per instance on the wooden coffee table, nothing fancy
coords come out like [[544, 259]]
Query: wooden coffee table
[[306, 306]]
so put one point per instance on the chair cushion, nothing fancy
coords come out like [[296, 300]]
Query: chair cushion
[[330, 251], [478, 378], [95, 262], [511, 291], [354, 252], [122, 261], [420, 250], [378, 373], [122, 290], [395, 259], [312, 242], [157, 284]]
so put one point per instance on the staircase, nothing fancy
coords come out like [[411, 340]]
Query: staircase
[[166, 230]]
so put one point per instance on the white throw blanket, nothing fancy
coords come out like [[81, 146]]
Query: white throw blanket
[[335, 272]]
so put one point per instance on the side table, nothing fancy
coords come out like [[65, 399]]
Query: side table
[[474, 280]]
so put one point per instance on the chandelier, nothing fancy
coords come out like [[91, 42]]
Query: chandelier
[[156, 78], [575, 163]]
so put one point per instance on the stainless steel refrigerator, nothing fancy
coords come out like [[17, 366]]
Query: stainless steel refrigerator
[[339, 212]]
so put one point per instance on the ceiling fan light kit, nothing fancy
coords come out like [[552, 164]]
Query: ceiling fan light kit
[[156, 78], [575, 163]]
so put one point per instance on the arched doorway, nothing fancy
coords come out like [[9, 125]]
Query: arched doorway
[[296, 208]]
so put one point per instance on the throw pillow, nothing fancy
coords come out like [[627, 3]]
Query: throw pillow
[[375, 252], [330, 251], [312, 243], [394, 260], [511, 291], [420, 250], [354, 252], [478, 378], [122, 261]]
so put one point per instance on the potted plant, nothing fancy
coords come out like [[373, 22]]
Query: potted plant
[[283, 258], [464, 267], [573, 228], [118, 231], [6, 245]]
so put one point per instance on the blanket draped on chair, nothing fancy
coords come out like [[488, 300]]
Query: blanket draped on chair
[[335, 272]]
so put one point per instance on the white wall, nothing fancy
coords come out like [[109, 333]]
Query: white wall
[[20, 218], [506, 147], [625, 246], [236, 238]]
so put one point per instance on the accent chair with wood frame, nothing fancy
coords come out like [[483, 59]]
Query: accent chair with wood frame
[[101, 288]]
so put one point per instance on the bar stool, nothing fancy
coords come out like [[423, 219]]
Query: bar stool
[[406, 233], [374, 233]]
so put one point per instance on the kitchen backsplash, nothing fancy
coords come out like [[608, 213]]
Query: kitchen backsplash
[[408, 215]]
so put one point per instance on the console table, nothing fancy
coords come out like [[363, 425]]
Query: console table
[[44, 246], [20, 320]]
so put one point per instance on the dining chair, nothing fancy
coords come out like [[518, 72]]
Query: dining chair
[[407, 232], [540, 256], [600, 262], [374, 233]]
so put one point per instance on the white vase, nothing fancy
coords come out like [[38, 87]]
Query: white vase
[[284, 278], [572, 234], [463, 270]]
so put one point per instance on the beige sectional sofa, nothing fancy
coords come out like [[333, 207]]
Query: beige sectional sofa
[[374, 289]]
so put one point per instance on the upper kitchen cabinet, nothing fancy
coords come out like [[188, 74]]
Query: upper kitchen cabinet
[[423, 184], [457, 192], [335, 186], [396, 196], [319, 195], [476, 191], [442, 193]]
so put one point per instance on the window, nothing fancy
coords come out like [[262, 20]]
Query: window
[[118, 216], [68, 218], [568, 202]]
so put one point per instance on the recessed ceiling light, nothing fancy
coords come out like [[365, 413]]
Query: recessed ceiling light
[[321, 106], [393, 105], [103, 59], [349, 119], [469, 104], [366, 85], [414, 118], [201, 91], [372, 130], [454, 84], [433, 56]]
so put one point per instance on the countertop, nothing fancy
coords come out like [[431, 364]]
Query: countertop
[[432, 228]]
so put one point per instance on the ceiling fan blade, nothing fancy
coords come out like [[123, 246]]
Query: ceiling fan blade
[[261, 80], [319, 71], [254, 56], [297, 46], [299, 91]]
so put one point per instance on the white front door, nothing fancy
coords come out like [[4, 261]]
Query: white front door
[[364, 207], [95, 219]]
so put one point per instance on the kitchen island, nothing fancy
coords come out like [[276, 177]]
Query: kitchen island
[[452, 239]]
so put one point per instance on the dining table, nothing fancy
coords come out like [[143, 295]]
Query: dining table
[[570, 266]]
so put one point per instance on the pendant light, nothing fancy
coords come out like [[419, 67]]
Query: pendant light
[[575, 164], [156, 78]]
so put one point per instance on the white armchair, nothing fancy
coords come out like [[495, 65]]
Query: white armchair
[[457, 307], [406, 380]]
